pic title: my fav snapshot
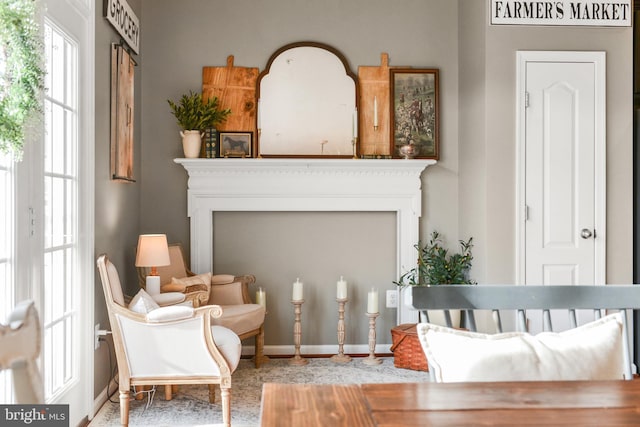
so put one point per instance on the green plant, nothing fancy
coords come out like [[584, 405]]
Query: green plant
[[436, 266], [21, 73], [194, 114]]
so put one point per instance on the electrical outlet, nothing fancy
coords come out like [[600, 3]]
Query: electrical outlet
[[392, 298], [96, 336]]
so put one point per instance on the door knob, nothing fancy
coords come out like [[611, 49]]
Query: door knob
[[586, 233]]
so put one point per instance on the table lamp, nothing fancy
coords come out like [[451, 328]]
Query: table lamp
[[153, 252]]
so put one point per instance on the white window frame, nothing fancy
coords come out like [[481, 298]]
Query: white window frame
[[67, 14]]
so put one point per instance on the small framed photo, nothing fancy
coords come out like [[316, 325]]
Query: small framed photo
[[415, 112], [236, 144]]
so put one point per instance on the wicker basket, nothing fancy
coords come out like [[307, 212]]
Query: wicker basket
[[406, 348]]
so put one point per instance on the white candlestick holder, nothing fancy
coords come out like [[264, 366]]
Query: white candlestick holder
[[372, 359], [297, 359], [341, 357]]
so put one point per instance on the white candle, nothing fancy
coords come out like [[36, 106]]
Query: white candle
[[372, 301], [375, 111], [355, 123], [341, 289], [259, 112], [297, 290], [261, 297]]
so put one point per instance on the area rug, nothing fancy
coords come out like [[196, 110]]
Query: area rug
[[191, 407]]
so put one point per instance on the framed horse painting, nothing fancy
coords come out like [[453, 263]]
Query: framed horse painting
[[236, 144], [414, 113]]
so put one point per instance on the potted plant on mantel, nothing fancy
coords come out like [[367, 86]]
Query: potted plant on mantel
[[437, 266], [194, 116]]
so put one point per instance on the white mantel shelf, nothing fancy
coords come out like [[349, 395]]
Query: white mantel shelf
[[305, 185], [299, 177]]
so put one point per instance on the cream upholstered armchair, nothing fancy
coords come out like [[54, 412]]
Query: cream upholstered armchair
[[228, 291], [168, 345], [197, 293]]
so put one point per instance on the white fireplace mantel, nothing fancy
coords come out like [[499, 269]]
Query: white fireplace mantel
[[312, 185]]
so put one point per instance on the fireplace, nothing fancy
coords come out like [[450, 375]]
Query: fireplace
[[305, 185]]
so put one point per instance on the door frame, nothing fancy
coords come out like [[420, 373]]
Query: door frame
[[598, 58]]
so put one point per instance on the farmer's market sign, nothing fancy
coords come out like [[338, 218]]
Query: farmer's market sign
[[126, 23], [564, 12]]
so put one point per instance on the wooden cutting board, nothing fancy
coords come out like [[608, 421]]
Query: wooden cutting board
[[235, 88], [374, 86]]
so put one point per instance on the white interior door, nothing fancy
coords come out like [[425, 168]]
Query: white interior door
[[562, 182]]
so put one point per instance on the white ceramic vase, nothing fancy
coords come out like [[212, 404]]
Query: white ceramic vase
[[191, 143]]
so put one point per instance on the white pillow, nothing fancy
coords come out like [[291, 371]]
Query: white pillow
[[593, 351], [172, 312], [143, 303]]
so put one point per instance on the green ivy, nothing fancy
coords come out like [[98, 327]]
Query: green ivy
[[21, 72]]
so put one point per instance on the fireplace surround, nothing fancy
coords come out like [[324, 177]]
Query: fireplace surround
[[311, 185]]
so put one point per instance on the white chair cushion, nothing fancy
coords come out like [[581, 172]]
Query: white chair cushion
[[229, 345], [166, 314], [593, 351], [143, 303]]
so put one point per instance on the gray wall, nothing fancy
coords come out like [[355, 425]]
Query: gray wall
[[470, 192], [117, 210], [361, 30]]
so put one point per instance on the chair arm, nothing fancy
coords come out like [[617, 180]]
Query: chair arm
[[246, 280], [215, 311], [239, 296], [180, 311], [169, 313]]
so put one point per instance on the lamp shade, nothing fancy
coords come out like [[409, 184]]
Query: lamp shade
[[153, 251]]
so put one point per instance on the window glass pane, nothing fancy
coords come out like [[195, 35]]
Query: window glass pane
[[48, 56], [48, 137], [47, 215], [70, 87], [60, 213], [57, 88], [58, 139], [6, 259]]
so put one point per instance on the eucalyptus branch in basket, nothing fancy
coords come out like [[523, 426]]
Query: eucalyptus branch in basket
[[436, 266]]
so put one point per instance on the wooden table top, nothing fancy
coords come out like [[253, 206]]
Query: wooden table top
[[447, 404]]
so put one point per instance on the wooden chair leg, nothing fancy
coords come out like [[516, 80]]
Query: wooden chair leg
[[226, 406], [259, 357], [124, 407], [212, 393], [137, 390], [167, 392]]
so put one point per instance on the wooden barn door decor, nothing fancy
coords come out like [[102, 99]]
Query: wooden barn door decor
[[122, 73]]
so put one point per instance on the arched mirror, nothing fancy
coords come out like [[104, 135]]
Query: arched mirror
[[307, 104]]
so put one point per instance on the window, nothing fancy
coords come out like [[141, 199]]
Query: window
[[60, 211], [47, 213]]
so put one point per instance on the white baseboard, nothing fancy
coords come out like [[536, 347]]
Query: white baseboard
[[102, 397], [289, 350]]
